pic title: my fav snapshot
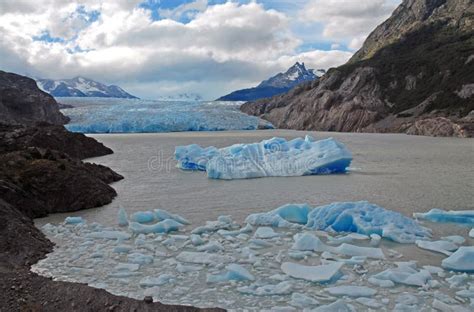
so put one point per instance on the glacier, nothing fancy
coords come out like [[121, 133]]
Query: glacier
[[102, 115], [275, 157]]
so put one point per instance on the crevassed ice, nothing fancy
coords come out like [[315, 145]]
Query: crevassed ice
[[360, 217], [135, 116], [268, 158]]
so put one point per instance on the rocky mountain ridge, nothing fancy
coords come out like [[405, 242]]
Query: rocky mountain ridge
[[81, 87], [278, 84], [414, 74]]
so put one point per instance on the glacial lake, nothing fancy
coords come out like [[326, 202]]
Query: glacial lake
[[398, 172]]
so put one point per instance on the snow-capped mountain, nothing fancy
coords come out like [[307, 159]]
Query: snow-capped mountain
[[277, 84], [81, 87], [185, 97]]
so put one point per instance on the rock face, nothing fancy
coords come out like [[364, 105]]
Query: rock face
[[277, 84], [21, 102], [414, 74]]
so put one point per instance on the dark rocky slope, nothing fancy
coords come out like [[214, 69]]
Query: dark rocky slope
[[41, 172], [414, 74], [21, 102]]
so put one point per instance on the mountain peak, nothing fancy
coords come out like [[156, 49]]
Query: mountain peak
[[80, 86]]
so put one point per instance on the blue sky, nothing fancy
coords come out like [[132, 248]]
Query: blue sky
[[165, 47]]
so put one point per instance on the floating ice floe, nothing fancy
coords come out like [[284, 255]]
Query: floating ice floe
[[338, 306], [235, 272], [351, 291], [283, 288], [464, 217], [122, 217], [269, 158], [302, 301], [471, 233], [73, 220], [359, 217], [461, 260], [164, 226], [118, 235], [318, 274], [203, 258], [366, 218], [290, 215], [440, 246], [404, 274]]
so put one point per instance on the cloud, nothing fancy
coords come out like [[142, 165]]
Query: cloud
[[348, 20], [221, 48]]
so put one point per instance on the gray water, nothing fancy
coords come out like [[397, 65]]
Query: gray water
[[398, 172]]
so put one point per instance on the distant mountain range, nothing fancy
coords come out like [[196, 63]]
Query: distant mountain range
[[185, 97], [278, 84], [81, 87]]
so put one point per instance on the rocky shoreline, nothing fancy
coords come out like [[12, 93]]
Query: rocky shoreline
[[42, 172]]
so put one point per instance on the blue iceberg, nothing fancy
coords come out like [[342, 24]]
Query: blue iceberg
[[366, 218], [463, 217], [98, 115], [359, 217], [275, 157]]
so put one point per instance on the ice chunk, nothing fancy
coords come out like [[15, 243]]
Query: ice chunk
[[265, 232], [366, 218], [302, 301], [181, 268], [161, 215], [235, 272], [461, 260], [351, 291], [203, 258], [465, 217], [283, 288], [150, 281], [347, 238], [384, 283], [222, 223], [212, 246], [308, 242], [338, 306], [122, 249], [371, 303], [143, 216], [139, 258], [444, 307], [353, 250], [278, 157], [319, 274], [122, 217], [405, 275], [291, 215], [194, 157], [118, 235], [196, 240], [456, 239], [441, 246], [164, 226], [73, 220], [127, 267], [471, 233]]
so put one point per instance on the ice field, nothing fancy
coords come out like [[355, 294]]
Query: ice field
[[296, 257]]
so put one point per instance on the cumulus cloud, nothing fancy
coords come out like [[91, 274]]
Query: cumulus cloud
[[348, 20], [220, 48]]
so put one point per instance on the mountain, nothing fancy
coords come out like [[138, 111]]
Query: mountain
[[21, 102], [185, 97], [281, 83], [414, 74], [81, 87]]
